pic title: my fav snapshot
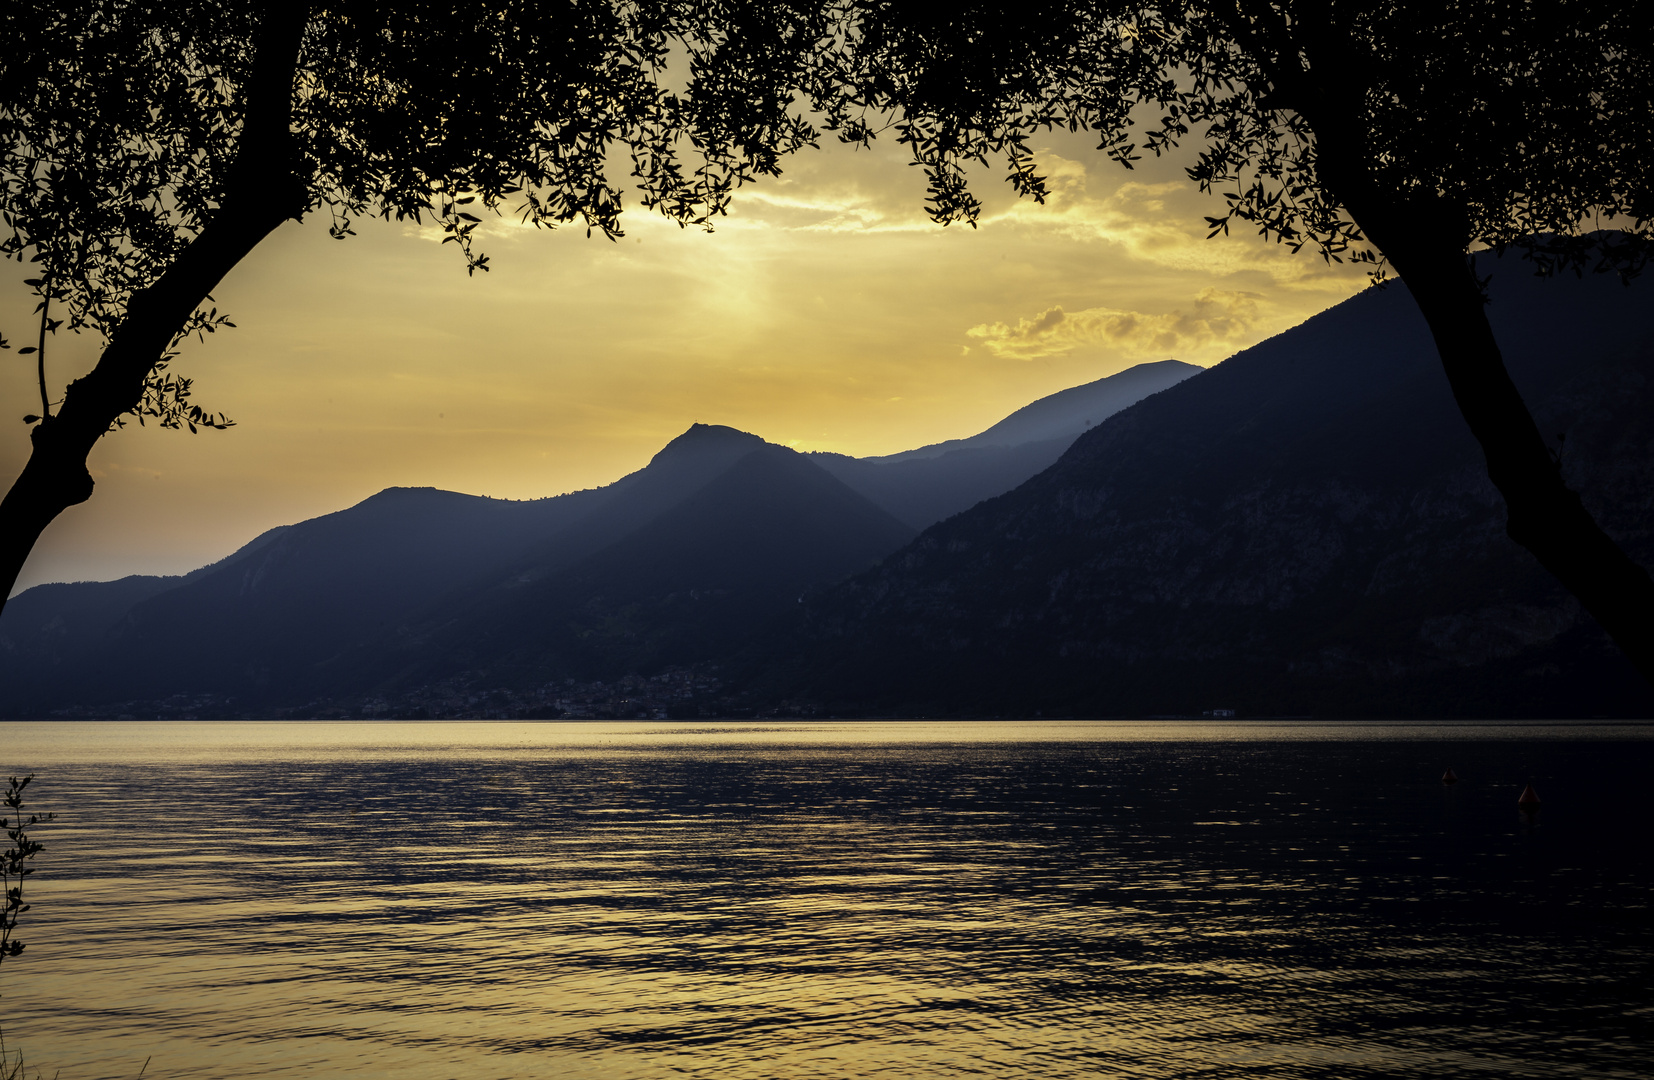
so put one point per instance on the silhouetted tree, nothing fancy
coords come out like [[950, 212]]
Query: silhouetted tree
[[147, 146], [1404, 133]]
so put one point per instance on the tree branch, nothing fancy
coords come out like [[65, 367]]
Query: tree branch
[[262, 190]]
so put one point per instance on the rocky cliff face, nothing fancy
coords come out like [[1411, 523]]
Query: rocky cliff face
[[1306, 528]]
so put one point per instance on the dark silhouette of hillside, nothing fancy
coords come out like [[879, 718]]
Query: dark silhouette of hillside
[[693, 584], [720, 532], [50, 631], [673, 563], [681, 468], [274, 611], [1301, 529]]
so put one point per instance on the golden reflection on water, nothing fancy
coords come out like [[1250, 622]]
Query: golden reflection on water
[[831, 900], [42, 743]]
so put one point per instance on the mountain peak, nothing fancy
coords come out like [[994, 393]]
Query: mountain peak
[[696, 456], [701, 437]]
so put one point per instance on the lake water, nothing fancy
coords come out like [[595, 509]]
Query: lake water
[[835, 900]]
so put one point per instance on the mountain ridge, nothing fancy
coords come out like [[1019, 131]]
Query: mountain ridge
[[932, 483], [1305, 528], [1066, 413], [320, 606]]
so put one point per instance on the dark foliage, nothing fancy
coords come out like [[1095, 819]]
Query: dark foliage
[[124, 124], [147, 147], [14, 863]]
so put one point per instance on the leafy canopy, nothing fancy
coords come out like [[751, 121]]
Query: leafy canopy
[[121, 121], [1490, 122]]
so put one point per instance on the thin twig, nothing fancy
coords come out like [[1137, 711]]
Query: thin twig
[[40, 351]]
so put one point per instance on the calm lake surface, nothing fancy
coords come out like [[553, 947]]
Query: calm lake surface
[[835, 900]]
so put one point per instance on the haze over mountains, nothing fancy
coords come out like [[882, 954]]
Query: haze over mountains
[[1305, 529], [674, 564], [923, 486]]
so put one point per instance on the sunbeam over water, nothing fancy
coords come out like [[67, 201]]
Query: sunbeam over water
[[894, 899]]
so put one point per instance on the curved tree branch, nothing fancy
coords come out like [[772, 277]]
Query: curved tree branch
[[263, 190]]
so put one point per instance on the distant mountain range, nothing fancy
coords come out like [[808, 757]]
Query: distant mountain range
[[923, 486], [676, 564], [1306, 528]]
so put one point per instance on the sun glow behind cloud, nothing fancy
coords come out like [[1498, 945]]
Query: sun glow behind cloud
[[1217, 318], [826, 312]]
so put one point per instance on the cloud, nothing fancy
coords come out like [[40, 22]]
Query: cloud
[[1160, 222], [1217, 317]]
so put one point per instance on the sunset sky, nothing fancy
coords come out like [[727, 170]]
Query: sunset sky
[[826, 313]]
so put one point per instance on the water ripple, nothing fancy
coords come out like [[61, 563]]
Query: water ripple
[[833, 901]]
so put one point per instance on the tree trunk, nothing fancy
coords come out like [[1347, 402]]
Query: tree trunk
[[1542, 514], [1424, 240], [262, 191]]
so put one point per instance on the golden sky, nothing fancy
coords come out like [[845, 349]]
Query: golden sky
[[826, 313]]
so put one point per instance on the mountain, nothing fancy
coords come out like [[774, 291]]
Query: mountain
[[1304, 528], [414, 584], [924, 486], [690, 585], [682, 467], [1065, 414], [278, 606], [49, 629]]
